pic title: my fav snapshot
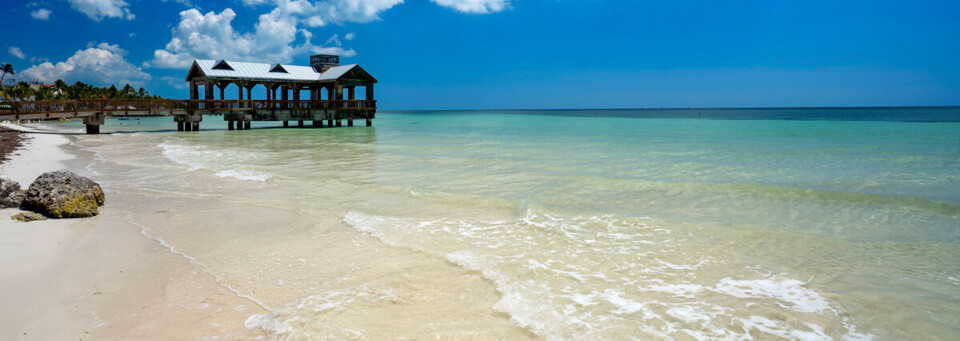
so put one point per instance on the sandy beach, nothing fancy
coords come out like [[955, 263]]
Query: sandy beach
[[100, 278]]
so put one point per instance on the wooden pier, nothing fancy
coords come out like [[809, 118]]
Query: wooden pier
[[323, 78]]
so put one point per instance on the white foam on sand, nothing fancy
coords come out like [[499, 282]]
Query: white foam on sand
[[654, 297], [41, 153]]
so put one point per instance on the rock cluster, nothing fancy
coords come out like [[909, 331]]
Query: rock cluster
[[10, 193], [60, 194]]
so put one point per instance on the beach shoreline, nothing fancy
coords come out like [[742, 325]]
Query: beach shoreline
[[99, 277]]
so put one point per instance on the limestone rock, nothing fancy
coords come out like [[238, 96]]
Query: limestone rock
[[10, 193], [64, 194], [28, 216]]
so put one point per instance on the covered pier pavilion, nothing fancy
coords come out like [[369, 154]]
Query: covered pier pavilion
[[325, 80]]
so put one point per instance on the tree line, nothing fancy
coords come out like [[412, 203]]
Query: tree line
[[60, 90]]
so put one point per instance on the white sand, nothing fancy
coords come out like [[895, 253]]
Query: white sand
[[100, 278], [41, 153]]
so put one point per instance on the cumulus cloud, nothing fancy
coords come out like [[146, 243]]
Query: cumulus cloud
[[98, 64], [212, 36], [41, 14], [99, 9], [16, 52], [349, 36], [475, 6]]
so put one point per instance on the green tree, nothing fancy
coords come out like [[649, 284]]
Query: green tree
[[127, 92], [7, 68], [43, 93], [59, 89], [23, 91]]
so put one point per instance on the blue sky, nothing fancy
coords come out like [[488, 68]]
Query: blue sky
[[513, 54]]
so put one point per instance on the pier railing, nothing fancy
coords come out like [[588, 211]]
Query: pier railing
[[140, 107]]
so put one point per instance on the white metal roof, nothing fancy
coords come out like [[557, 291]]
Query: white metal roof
[[261, 71], [335, 72]]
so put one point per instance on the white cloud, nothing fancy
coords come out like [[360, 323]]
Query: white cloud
[[41, 14], [99, 9], [16, 52], [102, 64], [174, 82], [349, 36], [322, 13], [212, 36], [475, 6]]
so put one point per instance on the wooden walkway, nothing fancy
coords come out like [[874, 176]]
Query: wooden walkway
[[190, 112]]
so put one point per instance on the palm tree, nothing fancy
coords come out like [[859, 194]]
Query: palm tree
[[59, 88], [127, 91], [142, 93], [7, 68], [23, 90], [43, 93]]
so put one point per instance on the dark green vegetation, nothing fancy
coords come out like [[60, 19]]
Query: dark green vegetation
[[60, 90]]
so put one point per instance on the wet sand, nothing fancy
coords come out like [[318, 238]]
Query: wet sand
[[100, 278]]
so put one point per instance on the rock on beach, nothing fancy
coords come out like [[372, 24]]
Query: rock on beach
[[64, 194], [11, 196]]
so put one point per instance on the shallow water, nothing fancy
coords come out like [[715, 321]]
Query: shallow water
[[758, 223]]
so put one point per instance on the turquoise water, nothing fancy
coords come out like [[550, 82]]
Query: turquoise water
[[719, 223]]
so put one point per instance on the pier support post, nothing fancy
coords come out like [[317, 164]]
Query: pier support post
[[339, 123], [93, 123], [187, 126], [349, 121], [230, 125], [246, 125], [196, 126], [286, 124], [179, 126], [318, 124], [330, 123], [300, 124], [369, 122]]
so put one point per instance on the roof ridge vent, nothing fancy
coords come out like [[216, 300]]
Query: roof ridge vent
[[222, 65], [277, 68]]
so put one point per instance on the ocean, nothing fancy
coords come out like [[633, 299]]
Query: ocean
[[794, 223]]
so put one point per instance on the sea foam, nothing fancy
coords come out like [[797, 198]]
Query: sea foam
[[224, 163], [598, 277]]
